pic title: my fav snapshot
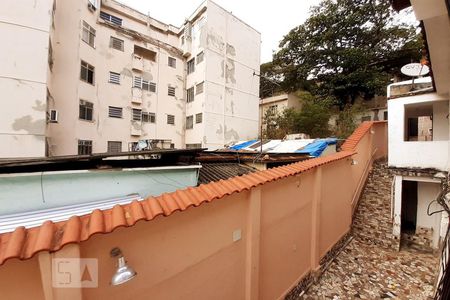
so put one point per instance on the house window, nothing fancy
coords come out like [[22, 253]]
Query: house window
[[385, 115], [109, 18], [144, 84], [114, 77], [148, 117], [190, 94], [114, 112], [419, 123], [366, 118], [137, 114], [116, 43], [171, 119], [199, 88], [87, 72], [88, 34], [114, 147], [189, 122], [200, 57], [191, 66], [84, 147], [198, 118], [171, 91], [86, 110], [172, 62]]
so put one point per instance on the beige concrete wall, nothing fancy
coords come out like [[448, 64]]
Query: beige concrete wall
[[253, 245], [24, 27]]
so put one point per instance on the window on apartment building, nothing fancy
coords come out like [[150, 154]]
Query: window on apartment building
[[171, 91], [145, 53], [86, 110], [110, 18], [385, 115], [193, 146], [198, 118], [191, 66], [199, 88], [88, 34], [148, 117], [172, 62], [190, 94], [116, 43], [171, 119], [84, 147], [200, 57], [114, 77], [189, 122], [87, 72], [114, 147], [144, 84], [114, 112], [136, 114], [182, 40]]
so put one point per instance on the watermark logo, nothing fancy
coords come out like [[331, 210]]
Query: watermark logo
[[75, 272]]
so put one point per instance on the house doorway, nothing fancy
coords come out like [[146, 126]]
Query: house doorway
[[409, 207]]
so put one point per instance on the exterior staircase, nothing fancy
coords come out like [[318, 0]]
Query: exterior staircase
[[372, 221]]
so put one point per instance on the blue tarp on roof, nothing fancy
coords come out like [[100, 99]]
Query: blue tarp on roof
[[317, 147], [243, 145]]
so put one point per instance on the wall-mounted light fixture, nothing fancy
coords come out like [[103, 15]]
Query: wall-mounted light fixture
[[124, 272]]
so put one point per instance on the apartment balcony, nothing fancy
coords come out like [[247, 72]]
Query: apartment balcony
[[136, 128], [137, 63], [136, 95]]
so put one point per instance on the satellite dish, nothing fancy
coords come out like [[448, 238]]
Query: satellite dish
[[415, 69]]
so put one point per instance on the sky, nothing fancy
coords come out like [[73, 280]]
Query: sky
[[273, 19]]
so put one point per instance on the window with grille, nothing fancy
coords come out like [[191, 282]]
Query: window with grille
[[148, 117], [84, 147], [172, 62], [114, 112], [136, 114], [200, 57], [116, 43], [199, 88], [114, 147], [109, 18], [144, 84], [87, 72], [171, 119], [198, 118], [114, 77], [189, 122], [190, 95], [86, 110], [88, 34], [171, 91], [191, 66]]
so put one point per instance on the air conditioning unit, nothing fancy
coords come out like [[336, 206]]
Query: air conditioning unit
[[53, 116], [92, 5]]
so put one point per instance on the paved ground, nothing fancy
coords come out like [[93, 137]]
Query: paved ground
[[364, 271]]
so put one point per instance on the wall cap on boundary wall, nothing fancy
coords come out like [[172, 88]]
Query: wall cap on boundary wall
[[23, 243]]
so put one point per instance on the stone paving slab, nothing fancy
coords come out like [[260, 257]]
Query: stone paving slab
[[367, 271]]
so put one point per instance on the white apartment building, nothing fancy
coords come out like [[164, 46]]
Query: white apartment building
[[119, 80], [419, 133], [24, 27]]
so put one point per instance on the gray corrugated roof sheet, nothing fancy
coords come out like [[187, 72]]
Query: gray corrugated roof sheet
[[211, 172]]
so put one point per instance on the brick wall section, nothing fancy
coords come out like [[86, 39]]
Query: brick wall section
[[372, 220]]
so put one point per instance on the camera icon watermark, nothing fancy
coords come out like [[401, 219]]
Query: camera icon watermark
[[75, 272]]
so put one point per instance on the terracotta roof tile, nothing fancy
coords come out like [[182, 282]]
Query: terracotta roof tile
[[24, 243]]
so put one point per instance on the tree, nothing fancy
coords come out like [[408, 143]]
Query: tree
[[347, 48]]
